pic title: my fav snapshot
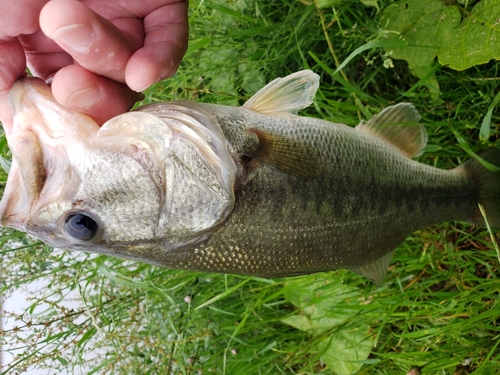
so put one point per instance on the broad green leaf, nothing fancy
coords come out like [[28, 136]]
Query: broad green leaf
[[321, 300], [476, 41], [432, 29], [318, 291], [427, 77], [371, 3], [347, 350], [300, 322], [423, 24]]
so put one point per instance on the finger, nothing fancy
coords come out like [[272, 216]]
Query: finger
[[93, 41], [43, 56], [12, 66], [99, 97], [19, 17], [164, 47], [152, 64], [12, 63]]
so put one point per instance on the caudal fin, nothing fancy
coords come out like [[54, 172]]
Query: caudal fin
[[488, 183]]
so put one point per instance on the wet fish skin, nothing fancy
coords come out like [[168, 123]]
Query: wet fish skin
[[254, 190], [366, 199]]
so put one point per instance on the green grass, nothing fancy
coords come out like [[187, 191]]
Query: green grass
[[438, 308]]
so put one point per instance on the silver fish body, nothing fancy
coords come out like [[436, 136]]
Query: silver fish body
[[255, 190]]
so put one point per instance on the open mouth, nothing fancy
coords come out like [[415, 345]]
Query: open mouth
[[14, 207], [27, 174], [43, 135]]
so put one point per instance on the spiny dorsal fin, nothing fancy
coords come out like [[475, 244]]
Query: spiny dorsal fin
[[398, 125], [375, 271], [285, 95], [286, 154]]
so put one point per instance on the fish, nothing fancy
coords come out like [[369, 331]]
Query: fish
[[253, 190]]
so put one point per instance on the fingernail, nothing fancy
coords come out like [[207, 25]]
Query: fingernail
[[85, 98], [77, 37], [144, 85]]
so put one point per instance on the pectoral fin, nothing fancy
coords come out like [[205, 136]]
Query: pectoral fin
[[398, 125], [375, 271], [285, 96], [286, 154]]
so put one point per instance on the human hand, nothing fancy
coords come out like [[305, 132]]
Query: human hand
[[97, 54]]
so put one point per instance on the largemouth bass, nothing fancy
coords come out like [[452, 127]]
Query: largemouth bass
[[254, 190]]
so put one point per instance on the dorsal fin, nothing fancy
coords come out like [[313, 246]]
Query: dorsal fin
[[398, 125], [285, 95], [375, 271]]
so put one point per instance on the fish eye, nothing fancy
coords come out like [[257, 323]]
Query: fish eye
[[80, 226]]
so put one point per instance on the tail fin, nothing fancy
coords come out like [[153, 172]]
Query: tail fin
[[488, 183]]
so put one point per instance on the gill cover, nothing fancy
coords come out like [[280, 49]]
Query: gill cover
[[199, 171]]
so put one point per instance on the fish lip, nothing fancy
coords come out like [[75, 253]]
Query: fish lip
[[13, 207], [19, 194], [24, 90], [16, 94]]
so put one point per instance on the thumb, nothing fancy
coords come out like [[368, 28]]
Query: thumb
[[93, 41]]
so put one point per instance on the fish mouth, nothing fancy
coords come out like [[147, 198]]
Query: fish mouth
[[26, 180], [12, 212], [38, 122], [27, 174]]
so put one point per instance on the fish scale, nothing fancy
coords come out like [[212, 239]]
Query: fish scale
[[254, 190], [345, 238]]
